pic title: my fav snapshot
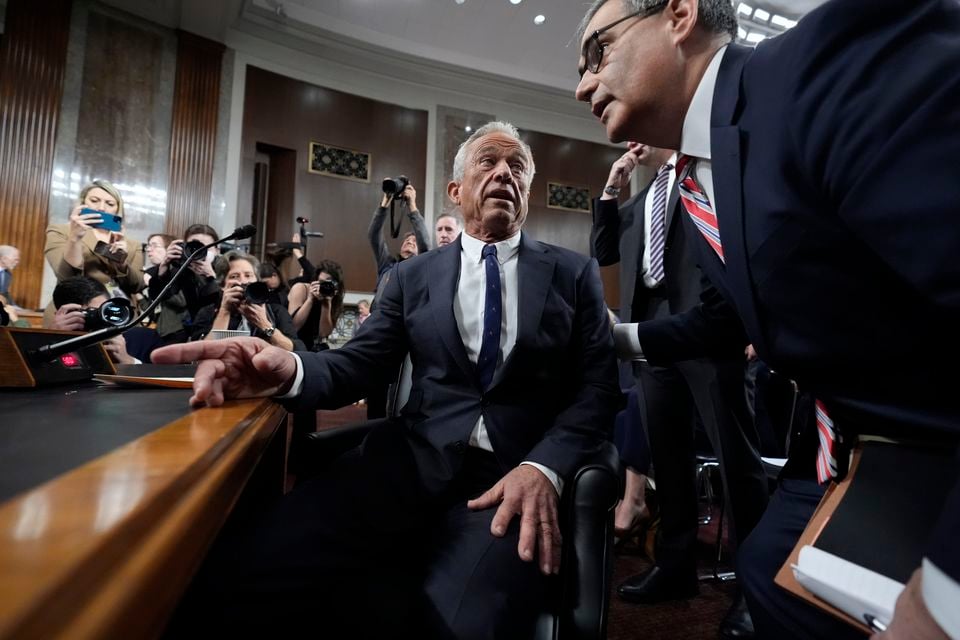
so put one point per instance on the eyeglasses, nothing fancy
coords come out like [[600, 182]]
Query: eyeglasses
[[593, 50]]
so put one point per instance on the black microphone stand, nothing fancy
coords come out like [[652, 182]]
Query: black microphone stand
[[50, 351]]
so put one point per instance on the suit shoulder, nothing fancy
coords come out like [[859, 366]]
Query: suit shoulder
[[564, 256]]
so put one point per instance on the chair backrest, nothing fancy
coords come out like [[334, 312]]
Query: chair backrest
[[400, 390]]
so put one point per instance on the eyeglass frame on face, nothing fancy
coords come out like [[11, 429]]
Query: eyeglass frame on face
[[594, 39]]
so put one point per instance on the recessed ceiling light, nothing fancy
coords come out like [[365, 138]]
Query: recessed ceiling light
[[515, 1], [540, 19], [468, 128], [460, 1], [761, 15]]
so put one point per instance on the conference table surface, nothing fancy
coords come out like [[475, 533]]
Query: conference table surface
[[110, 498]]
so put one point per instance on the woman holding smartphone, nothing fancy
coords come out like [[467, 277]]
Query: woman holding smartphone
[[93, 244]]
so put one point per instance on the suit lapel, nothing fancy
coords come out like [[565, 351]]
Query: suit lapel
[[442, 285], [728, 188]]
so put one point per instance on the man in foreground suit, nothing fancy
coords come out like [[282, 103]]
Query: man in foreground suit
[[821, 174], [514, 382], [659, 277]]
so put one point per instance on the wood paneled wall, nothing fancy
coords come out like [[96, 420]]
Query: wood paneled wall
[[33, 54], [283, 115], [194, 131]]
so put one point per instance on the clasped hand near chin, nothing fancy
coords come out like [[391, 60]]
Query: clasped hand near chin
[[232, 368], [526, 492]]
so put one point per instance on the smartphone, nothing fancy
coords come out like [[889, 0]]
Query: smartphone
[[108, 221]]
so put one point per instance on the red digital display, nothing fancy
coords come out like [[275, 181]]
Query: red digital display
[[70, 360]]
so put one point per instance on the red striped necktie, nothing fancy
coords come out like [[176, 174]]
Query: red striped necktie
[[827, 452], [697, 204]]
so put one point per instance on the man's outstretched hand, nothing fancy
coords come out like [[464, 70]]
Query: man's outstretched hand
[[526, 492], [233, 368]]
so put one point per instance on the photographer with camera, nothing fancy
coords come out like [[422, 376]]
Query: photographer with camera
[[200, 287], [316, 306], [84, 304], [397, 190], [244, 306]]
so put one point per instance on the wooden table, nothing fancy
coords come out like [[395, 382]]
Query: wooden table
[[105, 549]]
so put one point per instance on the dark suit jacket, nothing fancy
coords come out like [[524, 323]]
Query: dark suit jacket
[[834, 151], [551, 402], [618, 236]]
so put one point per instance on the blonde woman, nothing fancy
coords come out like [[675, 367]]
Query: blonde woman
[[93, 243]]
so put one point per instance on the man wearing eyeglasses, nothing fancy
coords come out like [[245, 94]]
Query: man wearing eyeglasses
[[818, 174]]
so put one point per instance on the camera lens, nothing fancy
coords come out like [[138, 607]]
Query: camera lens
[[395, 185], [115, 312], [256, 293]]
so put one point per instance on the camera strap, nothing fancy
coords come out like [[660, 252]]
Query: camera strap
[[395, 224]]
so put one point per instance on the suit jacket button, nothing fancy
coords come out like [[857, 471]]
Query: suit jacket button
[[459, 447]]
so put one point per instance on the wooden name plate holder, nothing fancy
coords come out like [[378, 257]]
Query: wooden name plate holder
[[19, 368]]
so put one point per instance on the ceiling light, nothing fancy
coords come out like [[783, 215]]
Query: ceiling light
[[761, 15], [540, 19], [745, 9], [755, 36], [460, 1], [741, 33], [515, 1], [468, 128], [786, 23]]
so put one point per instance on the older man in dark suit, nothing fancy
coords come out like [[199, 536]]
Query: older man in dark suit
[[819, 177], [514, 382]]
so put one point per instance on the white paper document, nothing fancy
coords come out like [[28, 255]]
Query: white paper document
[[856, 591]]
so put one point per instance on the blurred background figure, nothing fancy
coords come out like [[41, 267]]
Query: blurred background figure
[[9, 259], [169, 315], [245, 308], [447, 228], [279, 293], [316, 306]]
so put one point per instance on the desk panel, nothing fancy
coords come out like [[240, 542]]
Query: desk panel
[[106, 549]]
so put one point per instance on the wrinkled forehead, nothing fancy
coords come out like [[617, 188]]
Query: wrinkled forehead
[[499, 144]]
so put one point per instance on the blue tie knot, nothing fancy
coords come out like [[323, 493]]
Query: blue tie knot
[[489, 250]]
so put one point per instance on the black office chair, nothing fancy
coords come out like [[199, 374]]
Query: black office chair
[[579, 609]]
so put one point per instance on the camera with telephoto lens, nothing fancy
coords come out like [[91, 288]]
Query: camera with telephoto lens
[[328, 288], [256, 293], [395, 186], [115, 312], [188, 250]]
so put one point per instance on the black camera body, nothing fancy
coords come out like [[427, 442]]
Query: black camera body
[[115, 312], [395, 186], [256, 293], [188, 250], [328, 288]]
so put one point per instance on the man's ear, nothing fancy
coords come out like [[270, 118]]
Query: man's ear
[[683, 16], [453, 192]]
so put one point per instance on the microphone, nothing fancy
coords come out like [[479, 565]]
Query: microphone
[[50, 351]]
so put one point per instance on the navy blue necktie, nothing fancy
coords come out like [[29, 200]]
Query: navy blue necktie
[[492, 313]]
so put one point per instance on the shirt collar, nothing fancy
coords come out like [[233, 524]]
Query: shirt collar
[[695, 139], [506, 249]]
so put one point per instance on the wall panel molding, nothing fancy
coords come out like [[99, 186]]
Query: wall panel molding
[[194, 131], [33, 55]]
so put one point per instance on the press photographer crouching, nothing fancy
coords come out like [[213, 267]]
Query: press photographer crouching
[[244, 307], [316, 306], [83, 304]]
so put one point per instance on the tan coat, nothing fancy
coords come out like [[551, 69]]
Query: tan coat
[[128, 276]]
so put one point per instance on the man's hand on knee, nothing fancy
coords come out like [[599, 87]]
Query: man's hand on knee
[[526, 492]]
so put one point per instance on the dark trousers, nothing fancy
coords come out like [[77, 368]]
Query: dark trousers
[[715, 391], [776, 613], [362, 551]]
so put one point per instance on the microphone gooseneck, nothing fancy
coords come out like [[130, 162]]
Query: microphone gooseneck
[[50, 351]]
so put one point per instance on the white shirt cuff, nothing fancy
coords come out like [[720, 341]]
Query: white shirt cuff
[[552, 475], [297, 386], [941, 594], [626, 342]]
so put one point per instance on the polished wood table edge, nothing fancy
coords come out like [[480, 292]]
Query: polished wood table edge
[[117, 570]]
